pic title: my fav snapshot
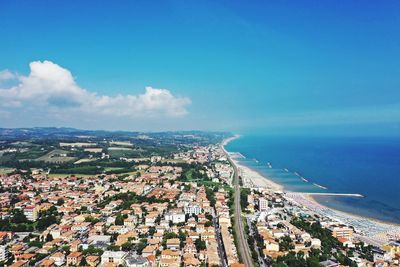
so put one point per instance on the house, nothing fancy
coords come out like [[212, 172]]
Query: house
[[74, 246], [149, 250], [170, 263], [173, 243], [74, 258], [170, 254], [189, 247], [121, 239], [191, 262], [20, 264], [58, 258], [272, 246], [47, 263], [92, 260], [99, 226]]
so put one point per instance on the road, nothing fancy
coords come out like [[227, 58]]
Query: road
[[239, 227], [221, 250]]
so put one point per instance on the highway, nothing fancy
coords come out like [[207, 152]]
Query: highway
[[239, 227]]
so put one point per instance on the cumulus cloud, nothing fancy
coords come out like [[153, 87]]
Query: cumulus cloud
[[6, 75], [49, 87]]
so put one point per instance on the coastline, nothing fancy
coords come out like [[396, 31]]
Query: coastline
[[250, 177], [368, 230]]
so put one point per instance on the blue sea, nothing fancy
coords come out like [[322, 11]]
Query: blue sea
[[369, 166]]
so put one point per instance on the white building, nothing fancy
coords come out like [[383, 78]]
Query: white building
[[192, 209], [262, 204], [175, 216], [115, 257], [99, 239], [58, 258], [134, 260], [31, 213], [4, 253]]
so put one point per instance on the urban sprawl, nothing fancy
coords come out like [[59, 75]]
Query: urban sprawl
[[118, 203]]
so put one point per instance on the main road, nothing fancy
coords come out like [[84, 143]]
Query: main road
[[239, 228]]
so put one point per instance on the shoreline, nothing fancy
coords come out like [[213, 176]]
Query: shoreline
[[248, 175], [369, 230], [354, 215]]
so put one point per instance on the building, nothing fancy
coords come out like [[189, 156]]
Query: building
[[31, 213], [342, 232], [173, 243], [175, 216], [115, 257], [46, 263], [58, 258], [4, 253], [92, 260], [192, 209], [262, 204], [329, 263], [134, 260], [74, 258]]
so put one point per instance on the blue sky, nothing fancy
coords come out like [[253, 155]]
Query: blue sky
[[281, 66]]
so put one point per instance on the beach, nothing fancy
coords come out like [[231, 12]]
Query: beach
[[368, 230], [254, 179]]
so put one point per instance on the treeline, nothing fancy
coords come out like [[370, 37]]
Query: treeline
[[130, 198]]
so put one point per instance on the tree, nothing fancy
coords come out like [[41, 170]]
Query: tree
[[141, 245], [60, 202], [208, 224], [19, 217], [127, 246], [49, 237], [83, 262], [200, 244], [286, 243], [119, 220], [92, 250]]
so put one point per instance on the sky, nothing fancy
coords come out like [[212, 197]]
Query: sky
[[313, 67]]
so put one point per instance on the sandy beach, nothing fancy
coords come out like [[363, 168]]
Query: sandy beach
[[368, 230], [251, 178]]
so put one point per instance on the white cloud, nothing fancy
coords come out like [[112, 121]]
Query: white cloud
[[6, 75], [49, 87]]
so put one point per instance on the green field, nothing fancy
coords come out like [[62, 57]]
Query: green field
[[6, 170], [55, 156], [56, 175]]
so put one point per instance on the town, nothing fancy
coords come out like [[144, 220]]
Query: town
[[122, 202]]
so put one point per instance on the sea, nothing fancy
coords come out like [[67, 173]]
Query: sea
[[357, 165]]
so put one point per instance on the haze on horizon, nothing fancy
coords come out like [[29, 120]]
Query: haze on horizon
[[313, 67]]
